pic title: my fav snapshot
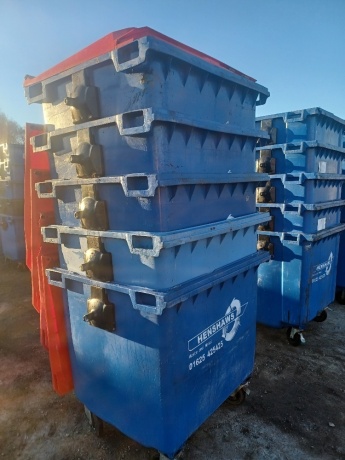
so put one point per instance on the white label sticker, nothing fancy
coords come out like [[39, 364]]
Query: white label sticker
[[321, 224], [207, 342], [322, 166]]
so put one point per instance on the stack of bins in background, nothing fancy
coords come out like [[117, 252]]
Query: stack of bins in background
[[12, 202], [153, 175], [304, 160]]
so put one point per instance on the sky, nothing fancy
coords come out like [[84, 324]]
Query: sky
[[295, 48]]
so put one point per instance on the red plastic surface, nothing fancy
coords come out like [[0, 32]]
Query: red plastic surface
[[52, 311], [33, 161], [46, 299], [116, 40]]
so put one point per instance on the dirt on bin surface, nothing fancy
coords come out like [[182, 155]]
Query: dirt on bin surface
[[295, 410]]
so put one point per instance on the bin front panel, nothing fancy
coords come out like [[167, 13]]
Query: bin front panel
[[298, 283], [156, 147], [174, 369]]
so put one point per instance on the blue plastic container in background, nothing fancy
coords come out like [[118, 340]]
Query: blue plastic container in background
[[299, 281], [306, 156], [173, 357], [308, 188], [10, 190], [313, 124], [12, 237], [12, 162], [306, 218]]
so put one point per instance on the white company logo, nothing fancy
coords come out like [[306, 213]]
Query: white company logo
[[320, 271], [227, 325]]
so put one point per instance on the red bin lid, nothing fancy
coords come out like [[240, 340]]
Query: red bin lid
[[116, 40]]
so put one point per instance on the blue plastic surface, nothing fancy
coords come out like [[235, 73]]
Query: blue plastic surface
[[299, 281], [341, 262], [154, 73], [151, 142], [10, 190], [12, 237], [307, 218], [152, 202], [160, 260], [11, 207], [12, 162], [313, 124], [309, 188], [174, 369], [310, 157]]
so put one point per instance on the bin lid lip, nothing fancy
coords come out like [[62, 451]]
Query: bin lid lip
[[302, 113], [117, 39]]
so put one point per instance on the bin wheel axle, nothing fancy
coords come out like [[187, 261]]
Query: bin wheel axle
[[321, 317], [237, 398], [340, 296], [295, 337]]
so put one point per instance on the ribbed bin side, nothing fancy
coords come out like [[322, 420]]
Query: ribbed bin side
[[313, 124], [144, 73], [175, 368], [148, 142], [158, 261], [149, 203], [299, 281]]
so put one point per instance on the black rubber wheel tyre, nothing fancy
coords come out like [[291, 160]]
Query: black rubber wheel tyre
[[238, 398], [295, 341], [340, 296], [321, 317]]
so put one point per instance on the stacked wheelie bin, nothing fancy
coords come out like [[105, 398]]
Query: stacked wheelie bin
[[152, 151], [304, 160], [12, 202]]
